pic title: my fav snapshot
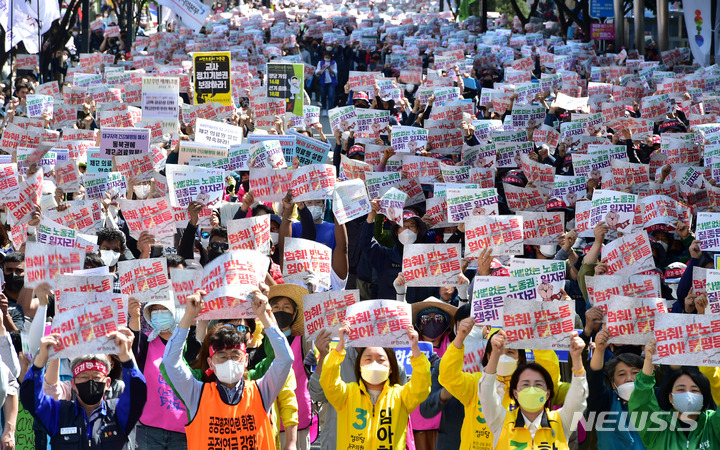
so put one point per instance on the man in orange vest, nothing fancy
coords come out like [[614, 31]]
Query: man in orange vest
[[230, 411]]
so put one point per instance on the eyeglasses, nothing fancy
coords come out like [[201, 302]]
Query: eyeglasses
[[240, 328], [221, 245], [425, 319]]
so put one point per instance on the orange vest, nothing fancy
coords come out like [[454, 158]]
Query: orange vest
[[218, 425]]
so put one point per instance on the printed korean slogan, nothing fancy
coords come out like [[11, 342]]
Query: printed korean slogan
[[211, 74], [379, 323], [286, 81]]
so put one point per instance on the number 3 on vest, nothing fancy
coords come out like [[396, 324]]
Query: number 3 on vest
[[362, 418]]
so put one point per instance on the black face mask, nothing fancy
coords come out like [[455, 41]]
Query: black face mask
[[284, 319], [91, 391], [433, 329], [214, 252], [14, 282]]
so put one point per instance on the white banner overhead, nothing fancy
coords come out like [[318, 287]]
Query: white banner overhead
[[698, 23]]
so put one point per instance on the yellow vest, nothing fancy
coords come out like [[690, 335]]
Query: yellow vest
[[514, 435], [364, 426], [219, 425]]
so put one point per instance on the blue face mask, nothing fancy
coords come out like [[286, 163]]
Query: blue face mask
[[162, 320]]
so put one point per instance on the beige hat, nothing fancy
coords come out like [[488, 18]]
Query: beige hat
[[294, 293]]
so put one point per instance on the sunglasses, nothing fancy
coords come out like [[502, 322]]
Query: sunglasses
[[425, 319], [240, 328], [221, 245]]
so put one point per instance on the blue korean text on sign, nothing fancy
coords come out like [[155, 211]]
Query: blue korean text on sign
[[403, 355], [602, 8]]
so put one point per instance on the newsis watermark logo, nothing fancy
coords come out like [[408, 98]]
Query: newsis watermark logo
[[627, 421]]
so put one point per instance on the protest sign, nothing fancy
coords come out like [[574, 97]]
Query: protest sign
[[615, 208], [404, 355], [381, 323], [20, 211], [160, 101], [343, 119], [392, 204], [268, 154], [285, 81], [185, 282], [371, 123], [350, 201], [569, 189], [251, 233], [83, 216], [229, 280], [144, 279], [39, 105], [425, 169], [211, 75], [9, 182], [189, 149], [503, 233], [630, 320], [527, 116], [123, 141], [154, 216], [542, 228], [309, 150], [489, 294], [190, 13], [85, 281], [687, 339], [216, 133], [84, 329], [313, 182], [431, 264], [198, 184], [550, 272], [270, 185], [302, 256], [138, 167], [706, 229], [538, 325], [44, 262], [52, 233], [409, 139], [712, 288], [630, 254], [601, 287], [464, 203], [327, 311], [67, 176]]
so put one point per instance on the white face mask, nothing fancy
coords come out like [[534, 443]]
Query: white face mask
[[447, 236], [141, 190], [316, 211], [229, 372], [327, 60], [506, 365], [374, 373], [625, 389], [196, 257], [407, 237], [109, 257], [547, 251], [3, 217], [275, 237], [570, 225]]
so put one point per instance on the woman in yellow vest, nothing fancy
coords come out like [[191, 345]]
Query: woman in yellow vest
[[534, 425], [373, 412], [475, 434], [230, 412]]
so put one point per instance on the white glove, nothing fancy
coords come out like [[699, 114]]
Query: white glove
[[399, 285], [463, 289], [312, 281]]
